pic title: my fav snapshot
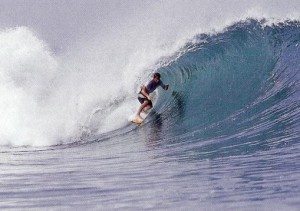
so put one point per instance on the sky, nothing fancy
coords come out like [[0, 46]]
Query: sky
[[61, 23]]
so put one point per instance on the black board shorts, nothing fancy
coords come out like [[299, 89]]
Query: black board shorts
[[142, 100]]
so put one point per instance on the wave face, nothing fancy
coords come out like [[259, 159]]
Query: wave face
[[238, 89]]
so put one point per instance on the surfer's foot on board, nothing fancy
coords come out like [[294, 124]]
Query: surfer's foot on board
[[138, 119]]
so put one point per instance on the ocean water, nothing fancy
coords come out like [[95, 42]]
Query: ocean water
[[225, 136]]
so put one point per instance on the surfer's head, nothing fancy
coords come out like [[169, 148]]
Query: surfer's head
[[156, 77]]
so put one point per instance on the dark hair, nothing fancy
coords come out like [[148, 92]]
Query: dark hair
[[156, 75]]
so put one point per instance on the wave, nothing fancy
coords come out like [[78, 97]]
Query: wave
[[230, 83], [239, 87], [235, 89]]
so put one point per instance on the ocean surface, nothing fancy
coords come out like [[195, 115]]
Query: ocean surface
[[225, 136]]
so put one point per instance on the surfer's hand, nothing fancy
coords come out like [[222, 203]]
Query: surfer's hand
[[167, 87], [149, 98]]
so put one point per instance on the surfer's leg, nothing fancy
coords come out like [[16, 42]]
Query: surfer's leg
[[144, 104], [146, 108]]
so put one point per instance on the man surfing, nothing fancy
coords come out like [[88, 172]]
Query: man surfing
[[145, 98]]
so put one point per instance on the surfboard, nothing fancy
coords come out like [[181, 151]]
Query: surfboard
[[137, 120]]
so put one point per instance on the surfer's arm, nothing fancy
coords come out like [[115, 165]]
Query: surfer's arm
[[165, 87]]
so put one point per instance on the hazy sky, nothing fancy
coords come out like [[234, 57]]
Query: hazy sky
[[61, 22]]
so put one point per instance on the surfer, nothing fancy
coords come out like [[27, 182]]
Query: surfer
[[144, 97]]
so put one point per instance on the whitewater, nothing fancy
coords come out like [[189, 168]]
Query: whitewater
[[224, 136]]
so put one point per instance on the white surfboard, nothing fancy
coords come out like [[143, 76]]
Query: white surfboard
[[137, 120]]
